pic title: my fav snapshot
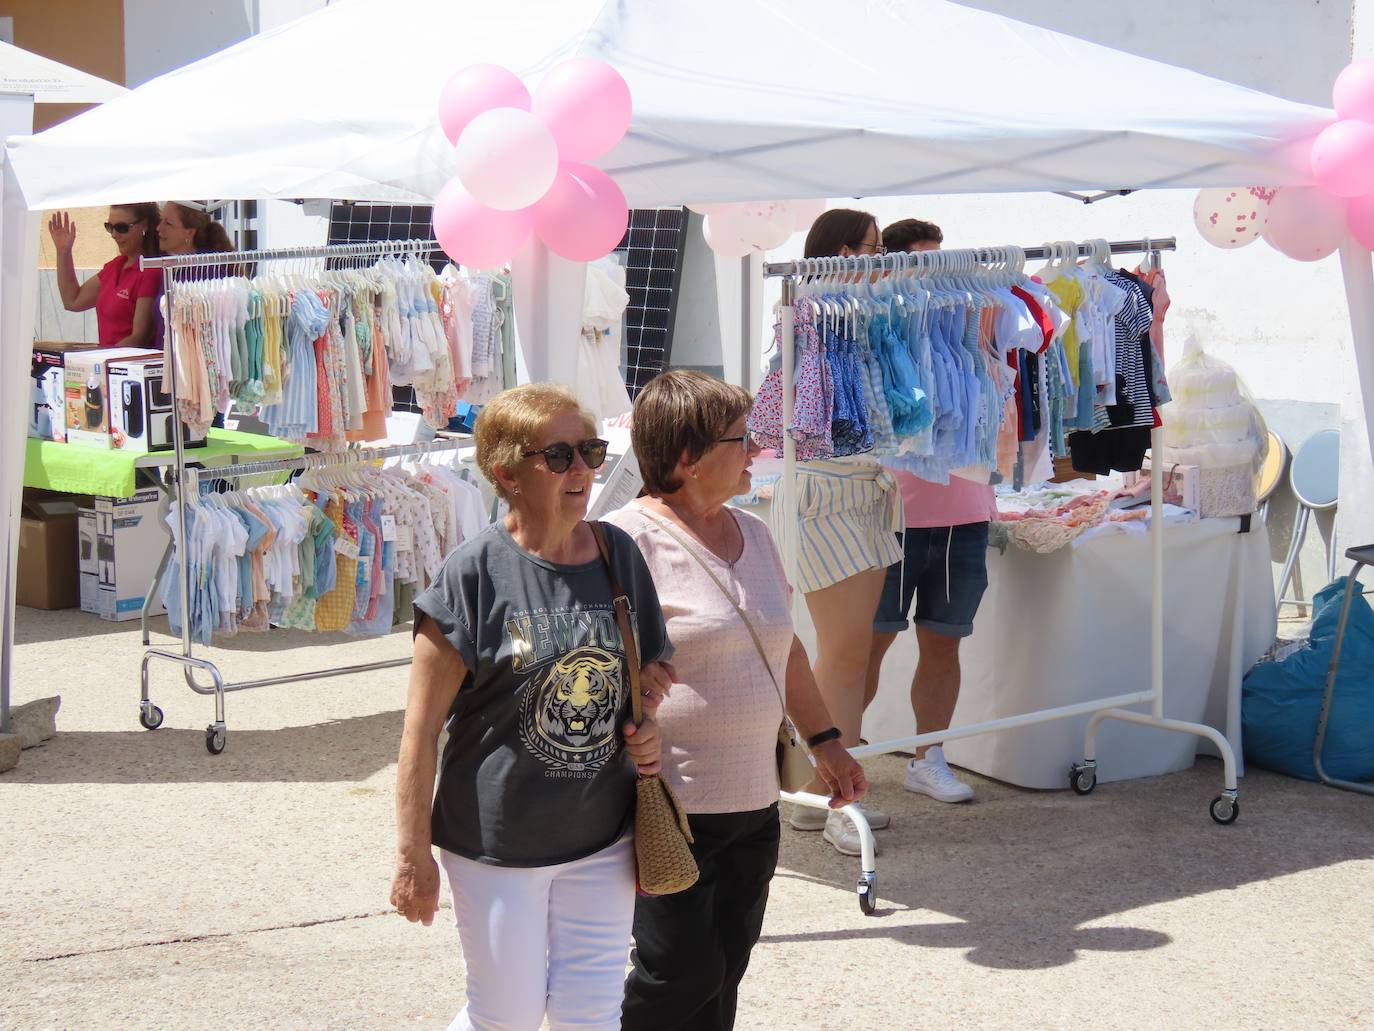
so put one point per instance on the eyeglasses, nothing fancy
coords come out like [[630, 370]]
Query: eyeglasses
[[745, 442], [873, 248], [120, 227], [558, 457]]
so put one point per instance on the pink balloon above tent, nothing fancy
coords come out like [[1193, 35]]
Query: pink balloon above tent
[[1353, 94], [586, 105], [583, 216], [476, 89], [473, 234], [1343, 158]]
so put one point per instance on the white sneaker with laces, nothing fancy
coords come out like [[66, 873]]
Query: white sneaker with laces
[[840, 832], [932, 776], [807, 818], [877, 819]]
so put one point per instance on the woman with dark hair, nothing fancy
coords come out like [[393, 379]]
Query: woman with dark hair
[[186, 228], [123, 295], [845, 513]]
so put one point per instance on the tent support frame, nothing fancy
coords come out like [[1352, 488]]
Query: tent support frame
[[1082, 777]]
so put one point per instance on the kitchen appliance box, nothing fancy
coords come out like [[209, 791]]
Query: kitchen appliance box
[[86, 392], [141, 405], [121, 544], [47, 411]]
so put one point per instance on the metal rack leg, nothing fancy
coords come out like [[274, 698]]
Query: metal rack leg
[[153, 588], [868, 850], [1352, 584]]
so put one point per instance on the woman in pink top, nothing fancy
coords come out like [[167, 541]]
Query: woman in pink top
[[715, 568], [123, 295]]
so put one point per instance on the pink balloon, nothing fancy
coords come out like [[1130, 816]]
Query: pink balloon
[[807, 211], [1353, 94], [1359, 216], [474, 235], [475, 89], [586, 105], [584, 215], [723, 234], [506, 158], [1305, 223], [768, 224], [1343, 158]]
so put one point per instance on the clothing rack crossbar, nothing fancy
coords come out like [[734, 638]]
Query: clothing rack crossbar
[[184, 478], [955, 262]]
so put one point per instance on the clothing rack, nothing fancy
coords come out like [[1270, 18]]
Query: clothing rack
[[185, 480], [1082, 776]]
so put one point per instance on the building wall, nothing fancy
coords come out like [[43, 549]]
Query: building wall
[[75, 32]]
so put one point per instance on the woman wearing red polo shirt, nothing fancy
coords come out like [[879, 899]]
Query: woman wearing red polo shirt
[[123, 295]]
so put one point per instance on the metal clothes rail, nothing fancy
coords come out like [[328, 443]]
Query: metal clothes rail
[[1082, 777], [185, 480]]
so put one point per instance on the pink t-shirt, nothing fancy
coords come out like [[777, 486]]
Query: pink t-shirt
[[930, 504], [720, 721]]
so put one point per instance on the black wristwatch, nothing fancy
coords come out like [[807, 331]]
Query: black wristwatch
[[829, 734]]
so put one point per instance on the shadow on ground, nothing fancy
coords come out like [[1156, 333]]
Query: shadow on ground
[[1018, 878]]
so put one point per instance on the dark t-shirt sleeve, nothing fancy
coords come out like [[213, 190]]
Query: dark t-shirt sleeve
[[450, 601]]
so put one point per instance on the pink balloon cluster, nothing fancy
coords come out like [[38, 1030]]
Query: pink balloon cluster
[[521, 163], [734, 230]]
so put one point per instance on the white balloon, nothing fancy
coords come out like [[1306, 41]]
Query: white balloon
[[506, 158], [710, 209], [1231, 218], [768, 224], [722, 234], [806, 211]]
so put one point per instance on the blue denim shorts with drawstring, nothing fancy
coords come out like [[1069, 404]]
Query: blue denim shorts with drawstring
[[945, 571]]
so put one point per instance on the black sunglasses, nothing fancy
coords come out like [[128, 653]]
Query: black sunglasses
[[120, 227], [558, 457]]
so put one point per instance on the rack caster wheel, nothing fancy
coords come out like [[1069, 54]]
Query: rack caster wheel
[[214, 739], [868, 898], [1225, 809], [150, 716], [1082, 779]]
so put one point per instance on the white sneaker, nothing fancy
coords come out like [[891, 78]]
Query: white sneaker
[[807, 818], [933, 777], [877, 819], [840, 832]]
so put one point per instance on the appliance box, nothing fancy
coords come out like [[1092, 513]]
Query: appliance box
[[47, 412], [86, 393], [141, 406], [121, 545]]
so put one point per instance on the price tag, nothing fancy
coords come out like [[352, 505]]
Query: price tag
[[405, 538], [388, 528], [346, 547]]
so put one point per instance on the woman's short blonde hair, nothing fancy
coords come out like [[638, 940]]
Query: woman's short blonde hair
[[513, 422], [681, 412]]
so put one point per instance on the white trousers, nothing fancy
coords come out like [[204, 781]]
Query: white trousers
[[545, 939]]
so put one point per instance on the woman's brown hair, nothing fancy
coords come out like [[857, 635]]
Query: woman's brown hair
[[148, 214], [839, 227], [210, 236], [681, 413]]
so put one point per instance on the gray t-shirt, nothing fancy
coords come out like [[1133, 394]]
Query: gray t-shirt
[[535, 772]]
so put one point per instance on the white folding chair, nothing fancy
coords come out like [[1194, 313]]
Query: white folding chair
[[1314, 477]]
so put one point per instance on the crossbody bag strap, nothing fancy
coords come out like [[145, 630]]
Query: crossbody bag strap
[[621, 603], [668, 528]]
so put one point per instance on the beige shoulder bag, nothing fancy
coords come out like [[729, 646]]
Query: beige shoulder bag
[[663, 860], [795, 770]]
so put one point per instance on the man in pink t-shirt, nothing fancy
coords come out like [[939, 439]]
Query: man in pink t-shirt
[[945, 572]]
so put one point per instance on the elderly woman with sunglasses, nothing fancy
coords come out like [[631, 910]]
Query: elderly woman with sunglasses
[[518, 654], [123, 295], [737, 664]]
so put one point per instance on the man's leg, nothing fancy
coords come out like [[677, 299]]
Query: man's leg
[[935, 685]]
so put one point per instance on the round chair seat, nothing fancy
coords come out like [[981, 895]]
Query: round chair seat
[[1271, 472], [1315, 473]]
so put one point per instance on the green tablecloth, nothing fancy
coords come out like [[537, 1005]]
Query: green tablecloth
[[75, 469]]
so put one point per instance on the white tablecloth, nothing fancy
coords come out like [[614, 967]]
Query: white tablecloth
[[1074, 625]]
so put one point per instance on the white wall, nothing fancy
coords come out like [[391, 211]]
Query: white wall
[[163, 35]]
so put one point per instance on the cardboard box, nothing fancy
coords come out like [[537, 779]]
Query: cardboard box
[[47, 414], [140, 404], [86, 393], [48, 573], [121, 543], [1211, 493]]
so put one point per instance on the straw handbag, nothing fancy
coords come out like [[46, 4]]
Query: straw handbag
[[665, 863], [794, 764]]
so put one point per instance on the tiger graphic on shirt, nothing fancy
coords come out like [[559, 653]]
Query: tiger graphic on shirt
[[572, 698]]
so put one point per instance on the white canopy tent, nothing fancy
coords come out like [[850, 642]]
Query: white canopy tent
[[734, 100], [49, 81]]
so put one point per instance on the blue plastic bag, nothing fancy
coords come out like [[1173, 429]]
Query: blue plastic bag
[[1280, 701]]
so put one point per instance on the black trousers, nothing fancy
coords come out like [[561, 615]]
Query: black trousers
[[692, 949]]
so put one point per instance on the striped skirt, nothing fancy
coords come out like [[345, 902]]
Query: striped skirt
[[847, 516]]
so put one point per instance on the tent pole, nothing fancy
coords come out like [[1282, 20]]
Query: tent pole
[[1359, 295], [788, 517]]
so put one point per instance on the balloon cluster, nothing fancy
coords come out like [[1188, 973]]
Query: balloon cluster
[[734, 230], [1309, 223], [521, 163]]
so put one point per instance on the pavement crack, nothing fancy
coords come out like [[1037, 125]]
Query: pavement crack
[[191, 939]]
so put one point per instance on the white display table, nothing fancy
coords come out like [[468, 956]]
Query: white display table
[[1074, 625]]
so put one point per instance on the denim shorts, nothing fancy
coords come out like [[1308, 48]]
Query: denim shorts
[[946, 572]]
